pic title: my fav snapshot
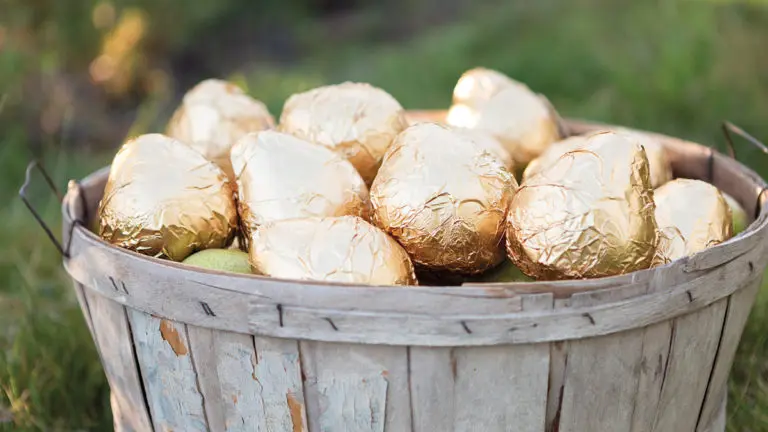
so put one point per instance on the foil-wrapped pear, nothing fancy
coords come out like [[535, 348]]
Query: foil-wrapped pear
[[342, 249], [280, 176], [356, 120], [524, 122], [164, 199], [443, 198], [692, 215], [213, 116], [590, 214]]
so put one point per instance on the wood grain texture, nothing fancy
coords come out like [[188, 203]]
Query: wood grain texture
[[736, 318], [601, 377], [692, 352], [653, 363], [601, 383], [248, 384], [356, 387], [115, 345], [202, 345], [250, 313], [169, 374], [432, 373], [503, 388], [84, 308]]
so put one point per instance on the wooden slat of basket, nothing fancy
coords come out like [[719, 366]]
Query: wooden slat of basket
[[115, 343], [737, 313], [168, 371], [356, 387], [692, 350]]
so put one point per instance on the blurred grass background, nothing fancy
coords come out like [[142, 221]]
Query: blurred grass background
[[76, 77]]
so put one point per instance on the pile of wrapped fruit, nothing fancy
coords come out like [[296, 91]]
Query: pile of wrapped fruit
[[349, 187]]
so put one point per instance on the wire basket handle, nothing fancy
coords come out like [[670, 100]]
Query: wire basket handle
[[63, 250], [729, 128]]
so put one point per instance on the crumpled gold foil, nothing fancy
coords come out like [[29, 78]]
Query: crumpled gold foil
[[164, 199], [488, 143], [692, 215], [660, 168], [524, 122], [280, 176], [342, 249], [213, 116], [443, 199], [355, 119], [552, 154], [590, 214]]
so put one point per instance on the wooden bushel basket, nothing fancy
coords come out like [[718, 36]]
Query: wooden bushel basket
[[188, 350]]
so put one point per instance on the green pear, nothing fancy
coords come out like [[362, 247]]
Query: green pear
[[504, 272], [737, 212], [227, 260]]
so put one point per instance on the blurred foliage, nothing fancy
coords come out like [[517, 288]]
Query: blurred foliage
[[79, 75]]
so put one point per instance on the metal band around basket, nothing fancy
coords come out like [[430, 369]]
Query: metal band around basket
[[427, 316]]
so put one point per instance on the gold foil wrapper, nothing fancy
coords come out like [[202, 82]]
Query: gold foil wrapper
[[443, 199], [692, 215], [357, 120], [524, 122], [660, 168], [591, 214], [164, 199], [552, 154], [488, 143], [477, 86], [280, 176], [342, 249], [213, 116]]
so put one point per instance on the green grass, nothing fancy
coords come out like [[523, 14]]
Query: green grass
[[674, 67]]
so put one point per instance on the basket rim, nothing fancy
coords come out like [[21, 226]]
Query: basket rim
[[467, 315], [758, 225]]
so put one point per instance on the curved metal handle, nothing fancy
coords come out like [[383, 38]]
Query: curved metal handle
[[729, 127], [63, 250]]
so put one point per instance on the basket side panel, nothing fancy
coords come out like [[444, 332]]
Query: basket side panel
[[693, 345], [653, 361], [81, 300], [168, 371], [432, 373], [356, 387], [737, 313], [248, 383], [113, 338], [501, 387], [505, 386], [601, 376]]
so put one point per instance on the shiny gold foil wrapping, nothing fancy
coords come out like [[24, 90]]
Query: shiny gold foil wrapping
[[660, 168], [280, 176], [357, 120], [342, 249], [523, 121], [477, 86], [213, 116], [590, 214], [692, 215], [164, 199], [446, 208], [488, 143], [552, 154]]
